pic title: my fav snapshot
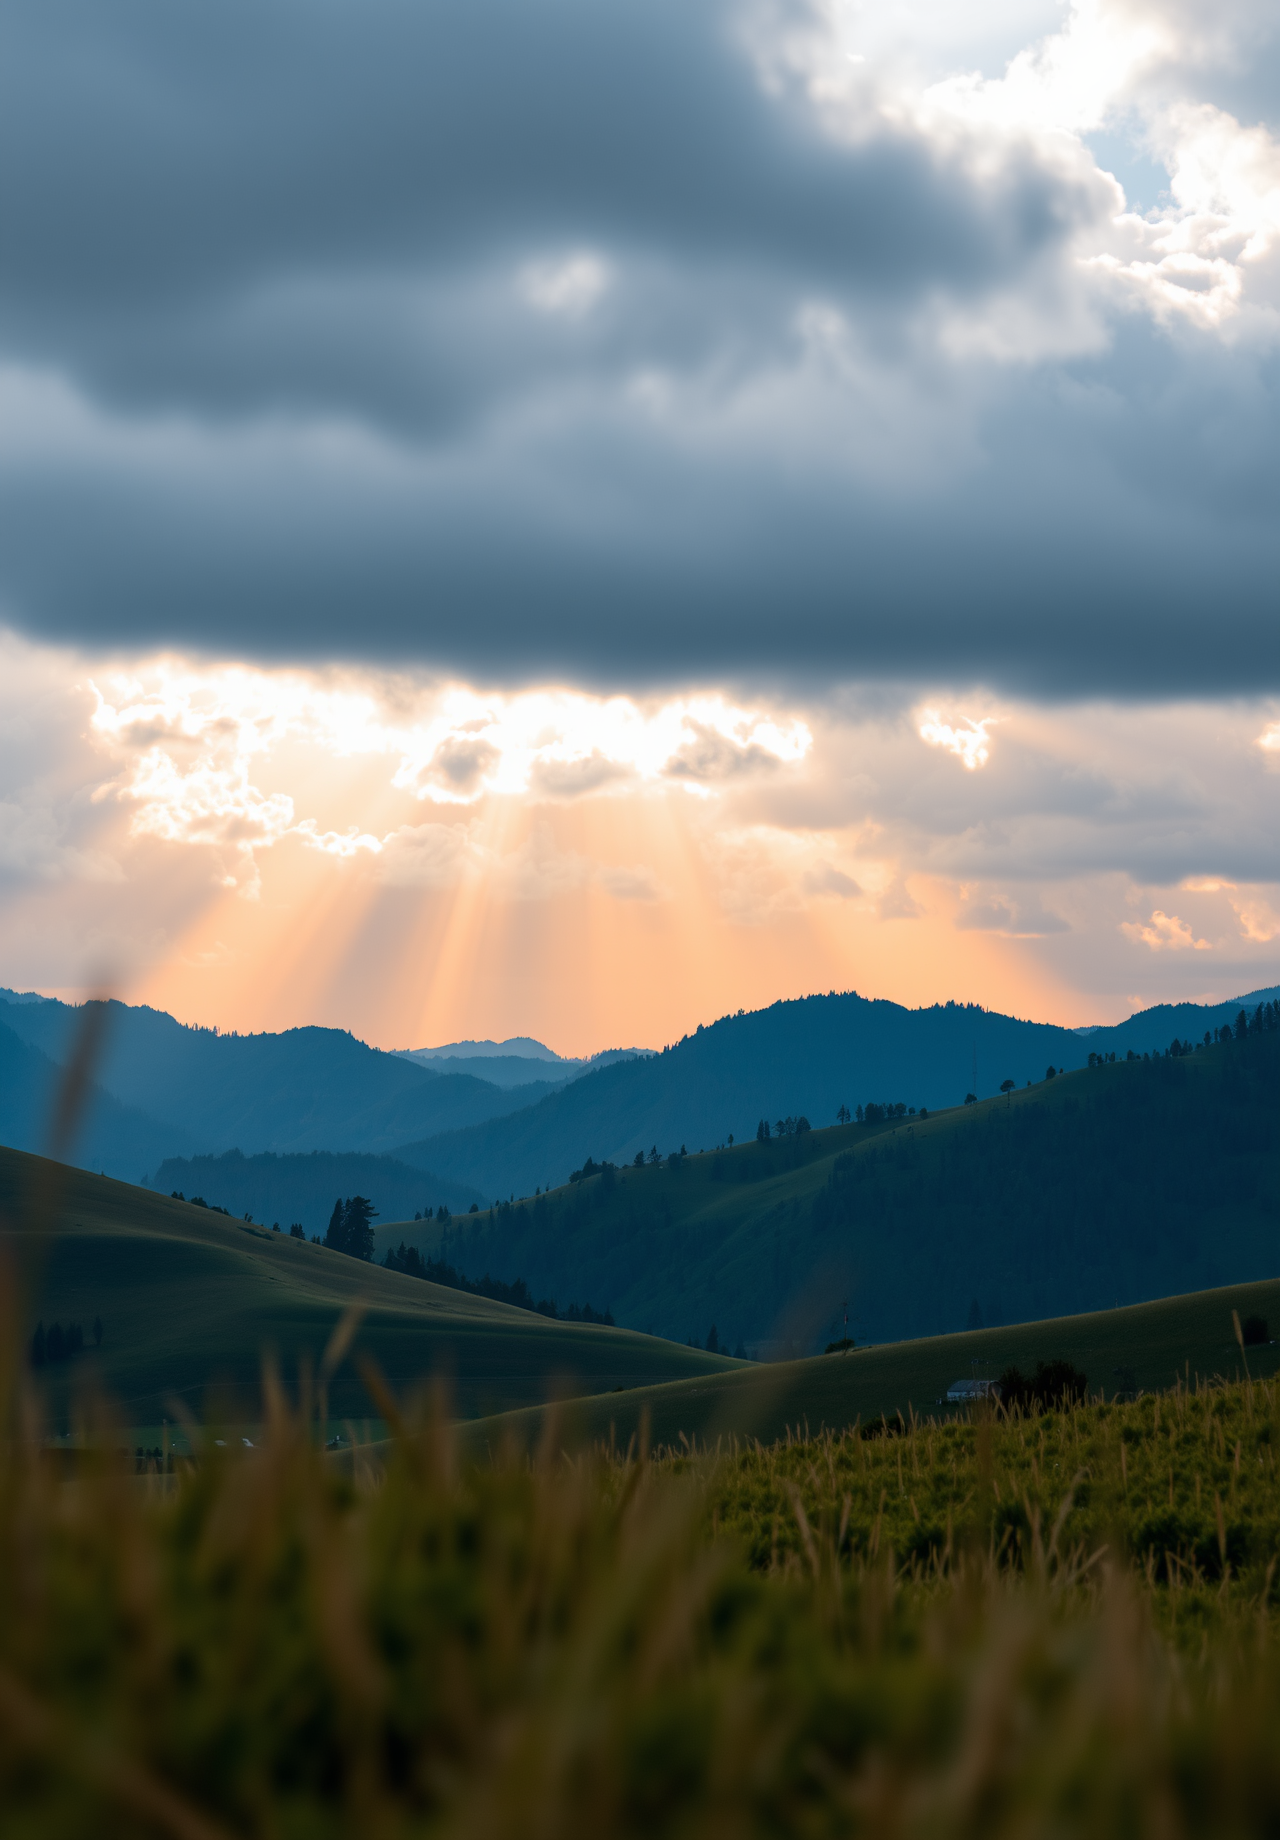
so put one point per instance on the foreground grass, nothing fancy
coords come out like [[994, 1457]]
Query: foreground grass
[[1064, 1624]]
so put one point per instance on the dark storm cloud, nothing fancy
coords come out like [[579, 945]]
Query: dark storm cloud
[[286, 201], [288, 379]]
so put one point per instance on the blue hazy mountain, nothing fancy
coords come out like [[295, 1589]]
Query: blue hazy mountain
[[808, 1056], [305, 1089], [520, 1061], [115, 1139]]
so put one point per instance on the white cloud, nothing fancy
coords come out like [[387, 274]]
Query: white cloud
[[968, 744], [188, 742], [1165, 933]]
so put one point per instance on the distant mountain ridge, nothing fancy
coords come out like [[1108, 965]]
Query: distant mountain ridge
[[807, 1055], [521, 1061], [304, 1089], [194, 1090]]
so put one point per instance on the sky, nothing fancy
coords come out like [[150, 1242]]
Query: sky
[[569, 517]]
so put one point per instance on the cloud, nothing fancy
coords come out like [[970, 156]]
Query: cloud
[[189, 747], [968, 744], [637, 346], [1165, 933]]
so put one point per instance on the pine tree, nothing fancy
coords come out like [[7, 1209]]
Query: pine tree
[[335, 1236], [357, 1231]]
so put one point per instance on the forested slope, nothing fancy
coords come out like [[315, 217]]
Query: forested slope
[[1111, 1185]]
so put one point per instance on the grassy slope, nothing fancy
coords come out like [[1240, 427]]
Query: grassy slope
[[1100, 1187], [1154, 1342], [190, 1299]]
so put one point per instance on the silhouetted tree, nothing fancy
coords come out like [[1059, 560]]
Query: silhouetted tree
[[842, 1116], [713, 1340], [38, 1349], [349, 1227], [1050, 1073], [1254, 1331], [975, 1315], [333, 1232]]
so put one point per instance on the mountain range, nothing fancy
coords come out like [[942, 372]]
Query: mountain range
[[807, 1057], [166, 1089], [195, 1090]]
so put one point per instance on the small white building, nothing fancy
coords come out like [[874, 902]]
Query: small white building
[[964, 1392]]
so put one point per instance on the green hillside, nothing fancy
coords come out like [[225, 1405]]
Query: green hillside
[[1144, 1347], [189, 1300], [1108, 1186]]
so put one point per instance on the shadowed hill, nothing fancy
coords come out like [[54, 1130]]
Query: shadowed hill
[[805, 1057], [304, 1188], [1111, 1185], [190, 1302]]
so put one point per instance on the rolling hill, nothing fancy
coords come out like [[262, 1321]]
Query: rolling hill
[[1108, 1186], [805, 1057], [189, 1302], [1145, 1347]]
